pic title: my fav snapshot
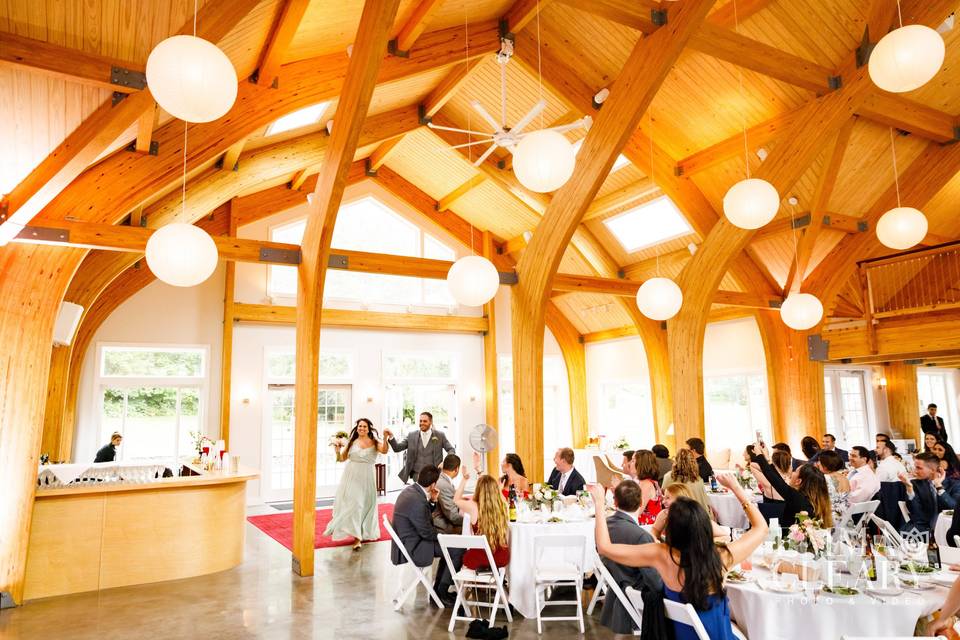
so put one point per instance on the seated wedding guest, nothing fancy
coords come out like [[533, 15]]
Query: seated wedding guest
[[921, 492], [670, 493], [624, 529], [810, 448], [447, 517], [929, 440], [108, 452], [829, 443], [414, 527], [663, 460], [564, 478], [513, 475], [864, 482], [807, 491], [782, 462], [881, 436], [626, 464], [889, 469], [691, 566], [488, 518], [651, 498], [948, 482], [794, 462], [685, 472], [699, 452], [831, 465]]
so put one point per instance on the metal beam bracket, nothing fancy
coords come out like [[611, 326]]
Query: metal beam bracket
[[6, 600], [863, 226], [678, 170], [818, 349], [367, 170], [338, 261], [914, 361], [774, 303], [835, 82], [422, 116], [956, 133], [128, 78], [117, 97], [865, 48], [44, 234], [392, 50], [802, 221], [508, 277], [154, 148], [658, 17], [284, 256]]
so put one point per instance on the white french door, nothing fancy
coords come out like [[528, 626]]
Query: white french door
[[846, 407], [402, 408], [333, 415]]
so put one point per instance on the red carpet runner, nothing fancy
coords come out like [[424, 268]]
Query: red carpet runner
[[280, 527]]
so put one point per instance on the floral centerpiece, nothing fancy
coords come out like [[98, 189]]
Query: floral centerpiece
[[621, 444], [542, 494], [808, 534], [339, 439], [745, 478], [200, 441]]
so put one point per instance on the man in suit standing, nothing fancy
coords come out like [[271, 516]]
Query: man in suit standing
[[447, 517], [930, 422], [564, 478], [921, 492], [424, 447], [625, 529], [414, 526]]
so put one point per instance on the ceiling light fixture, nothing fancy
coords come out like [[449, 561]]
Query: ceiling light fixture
[[906, 58], [473, 280], [901, 227], [800, 311]]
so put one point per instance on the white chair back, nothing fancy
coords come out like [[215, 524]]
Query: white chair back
[[396, 539], [465, 578], [419, 577], [634, 611], [950, 555], [863, 509], [576, 542], [685, 614]]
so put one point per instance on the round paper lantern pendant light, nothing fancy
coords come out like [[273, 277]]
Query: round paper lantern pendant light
[[191, 78], [901, 228], [906, 58], [182, 255], [543, 160], [751, 203], [659, 298], [473, 281], [801, 311]]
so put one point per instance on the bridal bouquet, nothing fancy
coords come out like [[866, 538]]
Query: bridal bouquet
[[340, 438], [808, 534]]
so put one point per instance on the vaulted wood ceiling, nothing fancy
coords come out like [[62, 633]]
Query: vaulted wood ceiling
[[755, 76]]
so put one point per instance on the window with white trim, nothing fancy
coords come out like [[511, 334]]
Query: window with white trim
[[735, 408]]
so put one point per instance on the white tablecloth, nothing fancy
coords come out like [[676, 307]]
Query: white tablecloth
[[764, 615], [56, 475], [522, 559], [729, 511]]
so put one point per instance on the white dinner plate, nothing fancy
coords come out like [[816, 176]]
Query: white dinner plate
[[945, 578], [885, 591], [781, 587]]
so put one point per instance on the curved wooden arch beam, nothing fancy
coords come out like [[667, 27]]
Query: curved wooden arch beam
[[701, 277], [361, 78], [641, 77], [575, 358]]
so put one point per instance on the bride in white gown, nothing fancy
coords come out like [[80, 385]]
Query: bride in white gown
[[355, 506]]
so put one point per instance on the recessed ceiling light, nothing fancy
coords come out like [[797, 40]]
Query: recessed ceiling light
[[300, 118], [649, 224]]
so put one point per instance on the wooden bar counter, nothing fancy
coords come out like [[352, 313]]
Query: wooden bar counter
[[104, 535]]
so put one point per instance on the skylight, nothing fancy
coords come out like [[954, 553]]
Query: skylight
[[300, 118], [649, 224], [618, 164]]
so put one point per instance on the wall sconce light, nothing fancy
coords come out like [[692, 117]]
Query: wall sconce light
[[882, 382]]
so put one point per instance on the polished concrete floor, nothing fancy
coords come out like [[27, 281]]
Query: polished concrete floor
[[348, 598]]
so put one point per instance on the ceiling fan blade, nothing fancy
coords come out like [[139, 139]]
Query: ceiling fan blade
[[486, 116], [484, 134], [486, 154], [527, 119], [486, 140]]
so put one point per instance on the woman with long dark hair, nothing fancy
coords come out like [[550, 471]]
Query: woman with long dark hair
[[929, 440], [691, 565], [949, 481], [355, 506], [810, 447], [513, 475], [806, 491], [651, 497]]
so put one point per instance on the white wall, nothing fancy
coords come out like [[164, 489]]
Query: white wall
[[163, 315], [622, 360], [734, 346]]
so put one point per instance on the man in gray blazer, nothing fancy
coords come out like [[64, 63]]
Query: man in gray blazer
[[624, 529], [424, 447], [447, 517]]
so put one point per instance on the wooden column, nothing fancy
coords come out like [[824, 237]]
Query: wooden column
[[902, 400], [33, 282], [226, 354], [575, 359], [369, 49], [53, 413], [491, 390], [641, 77]]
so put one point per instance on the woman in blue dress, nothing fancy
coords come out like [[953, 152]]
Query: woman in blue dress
[[691, 566], [355, 507]]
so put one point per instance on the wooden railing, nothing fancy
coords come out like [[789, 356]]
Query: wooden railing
[[912, 282]]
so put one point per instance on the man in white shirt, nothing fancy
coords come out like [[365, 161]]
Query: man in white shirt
[[864, 483], [888, 467]]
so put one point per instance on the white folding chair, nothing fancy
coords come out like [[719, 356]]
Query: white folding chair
[[562, 574], [887, 530], [686, 614], [466, 578], [863, 509], [608, 585], [420, 578], [466, 530]]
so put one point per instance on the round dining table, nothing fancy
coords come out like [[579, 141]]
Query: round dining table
[[728, 509]]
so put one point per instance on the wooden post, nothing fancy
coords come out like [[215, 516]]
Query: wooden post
[[369, 49], [903, 402], [226, 355], [491, 390]]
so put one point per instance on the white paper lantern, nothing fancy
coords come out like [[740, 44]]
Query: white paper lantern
[[751, 203], [543, 161], [801, 311], [906, 58], [473, 281], [181, 254], [659, 298], [902, 228], [192, 79]]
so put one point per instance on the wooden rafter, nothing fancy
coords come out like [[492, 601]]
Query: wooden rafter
[[449, 86], [648, 267], [277, 314], [633, 194], [522, 12], [731, 12], [281, 37], [382, 152], [416, 24], [231, 158], [447, 201], [145, 125]]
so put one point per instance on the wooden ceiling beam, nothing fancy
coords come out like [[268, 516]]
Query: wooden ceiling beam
[[521, 13], [448, 200], [415, 25], [648, 267], [282, 35], [346, 318], [642, 15], [750, 300], [635, 193], [231, 159], [920, 336], [449, 86], [382, 152], [145, 125], [99, 130], [732, 12]]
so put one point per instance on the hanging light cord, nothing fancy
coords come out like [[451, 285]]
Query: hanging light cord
[[183, 187], [650, 116], [899, 15], [896, 174], [539, 65], [743, 115]]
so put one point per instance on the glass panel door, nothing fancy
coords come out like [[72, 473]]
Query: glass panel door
[[846, 408], [402, 408]]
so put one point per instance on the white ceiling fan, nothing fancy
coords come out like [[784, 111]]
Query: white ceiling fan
[[503, 135]]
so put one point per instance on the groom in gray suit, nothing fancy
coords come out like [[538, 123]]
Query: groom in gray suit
[[424, 448]]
